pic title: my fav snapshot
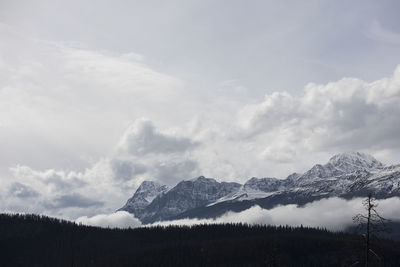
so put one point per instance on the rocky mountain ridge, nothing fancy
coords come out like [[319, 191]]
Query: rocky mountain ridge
[[344, 175]]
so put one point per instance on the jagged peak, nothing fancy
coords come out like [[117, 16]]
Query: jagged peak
[[356, 159], [203, 179], [253, 179], [146, 185], [294, 176], [149, 183], [143, 196]]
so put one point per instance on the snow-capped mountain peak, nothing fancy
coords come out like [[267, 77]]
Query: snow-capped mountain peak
[[149, 189], [202, 179], [352, 161], [144, 195], [344, 175], [339, 165], [187, 195]]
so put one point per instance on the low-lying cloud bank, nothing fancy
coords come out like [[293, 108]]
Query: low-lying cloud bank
[[333, 214], [119, 219]]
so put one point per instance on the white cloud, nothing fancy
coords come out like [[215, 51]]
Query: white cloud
[[126, 169], [59, 193], [349, 114], [333, 214], [144, 152], [119, 219], [141, 138], [22, 191]]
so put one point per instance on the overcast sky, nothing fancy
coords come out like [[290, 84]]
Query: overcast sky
[[97, 96]]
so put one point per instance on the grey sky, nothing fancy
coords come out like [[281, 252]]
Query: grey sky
[[97, 96], [264, 45]]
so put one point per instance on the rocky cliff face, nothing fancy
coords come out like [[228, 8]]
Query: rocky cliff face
[[144, 195], [186, 195]]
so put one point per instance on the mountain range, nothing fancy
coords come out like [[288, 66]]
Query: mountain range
[[345, 175]]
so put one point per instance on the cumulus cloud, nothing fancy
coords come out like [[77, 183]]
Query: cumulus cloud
[[55, 181], [172, 171], [119, 219], [63, 194], [22, 191], [349, 114], [142, 138], [333, 213], [145, 152], [126, 169]]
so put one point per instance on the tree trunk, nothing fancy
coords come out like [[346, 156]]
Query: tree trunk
[[368, 232]]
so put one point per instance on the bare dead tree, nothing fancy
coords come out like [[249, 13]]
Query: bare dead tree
[[371, 224]]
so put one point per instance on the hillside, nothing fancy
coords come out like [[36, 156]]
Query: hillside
[[31, 240]]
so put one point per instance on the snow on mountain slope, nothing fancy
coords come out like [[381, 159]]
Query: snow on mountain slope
[[382, 182], [385, 181], [353, 161], [187, 195], [319, 180], [143, 196], [264, 184], [344, 175], [254, 188], [242, 194], [339, 165]]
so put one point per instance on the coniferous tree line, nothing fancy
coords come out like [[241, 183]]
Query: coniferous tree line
[[33, 240]]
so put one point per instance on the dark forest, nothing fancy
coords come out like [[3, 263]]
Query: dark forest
[[33, 240]]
